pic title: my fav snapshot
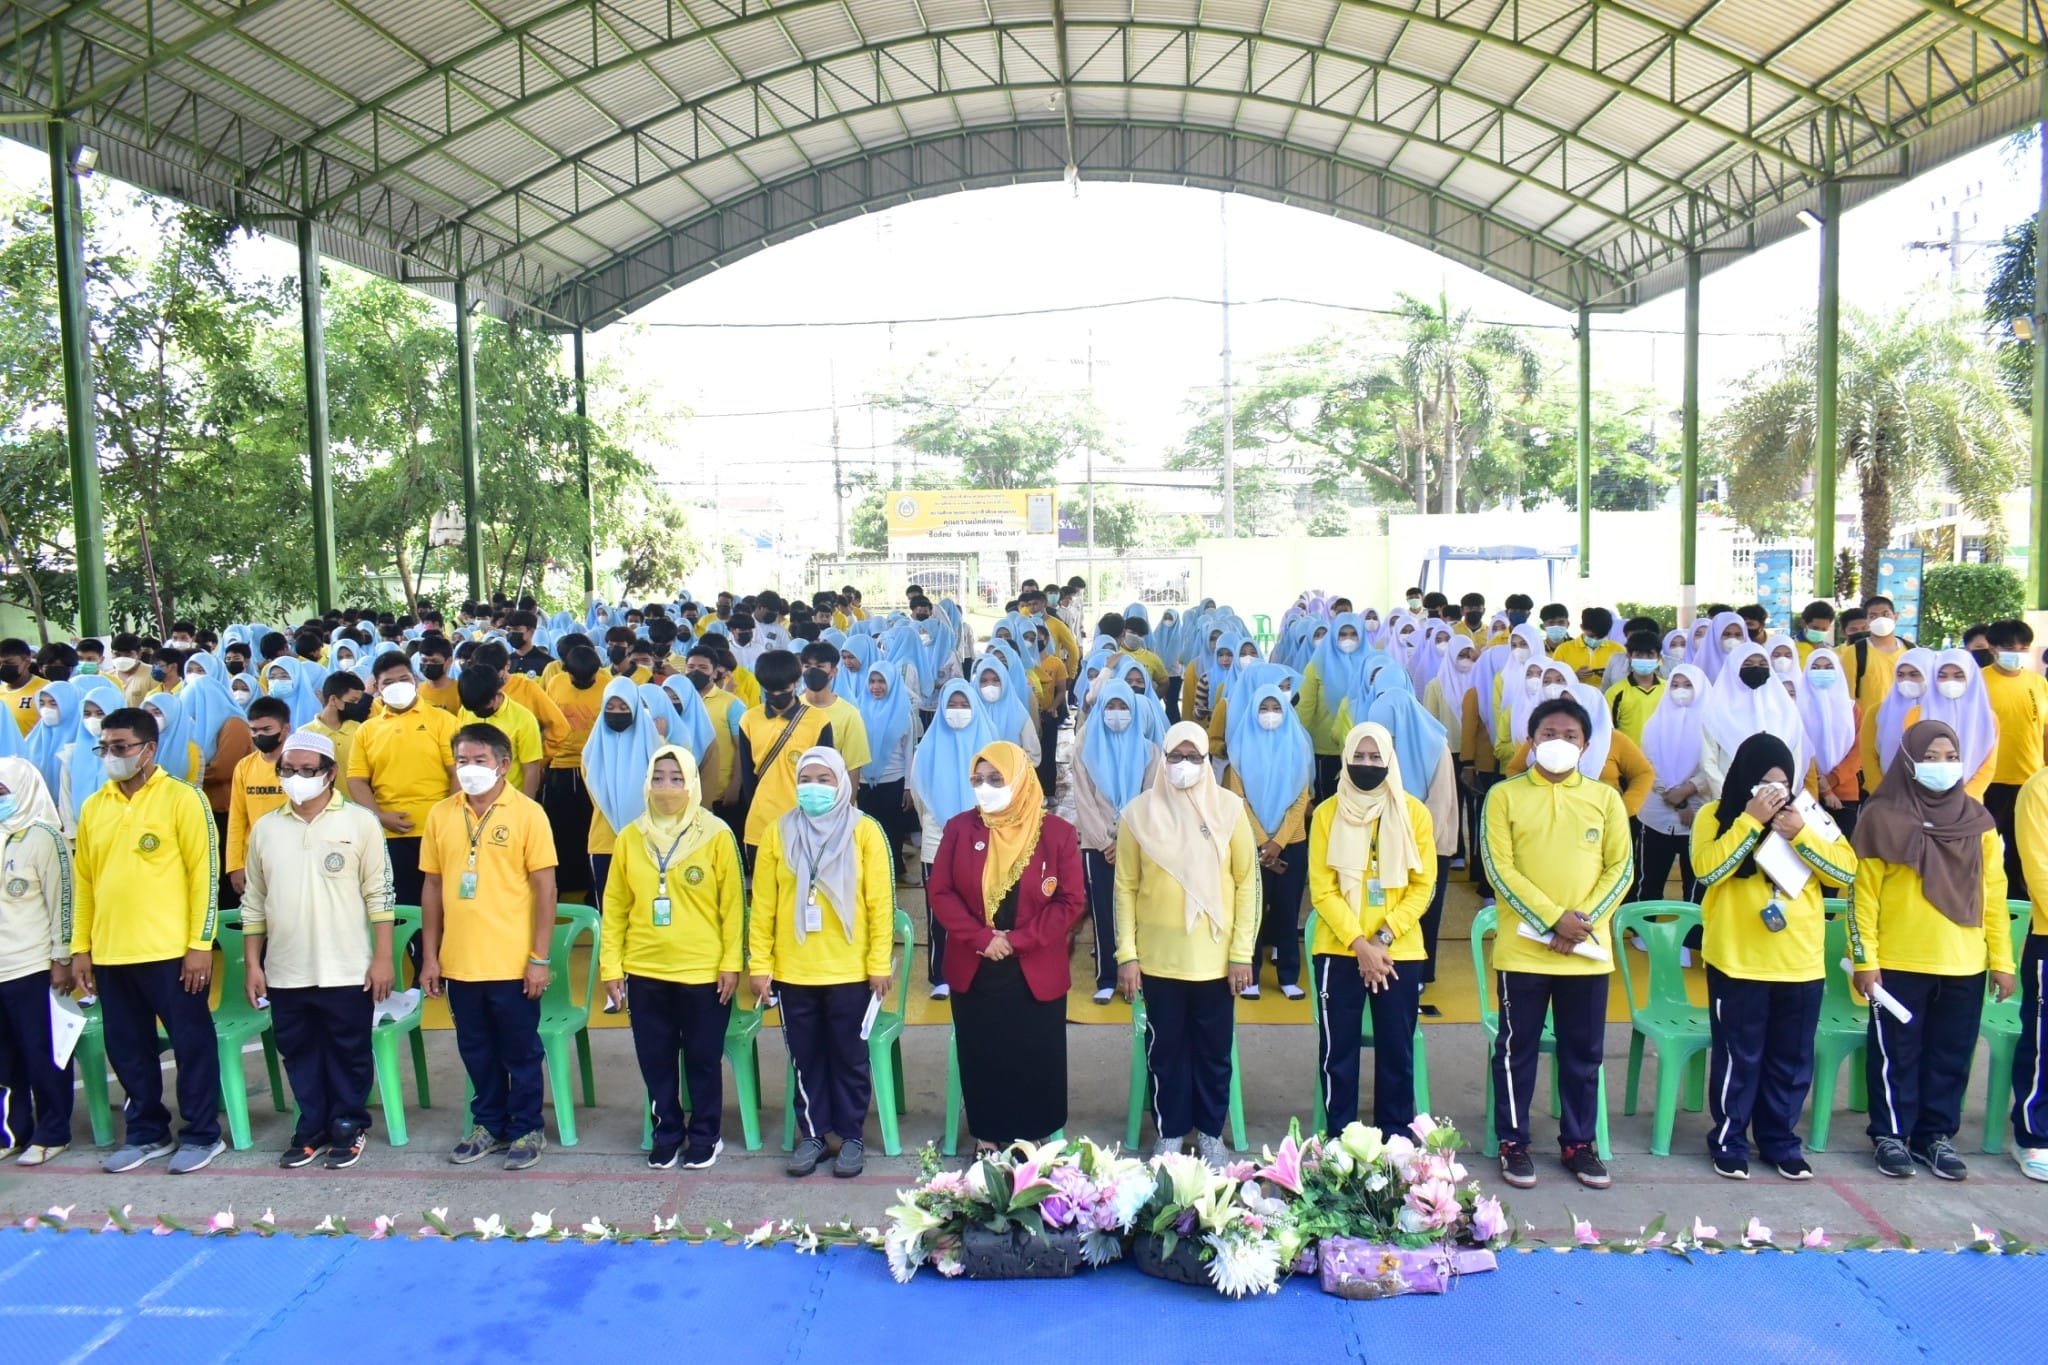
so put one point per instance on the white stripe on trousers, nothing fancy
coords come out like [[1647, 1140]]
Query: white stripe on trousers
[[1727, 1074], [1507, 1050], [2040, 1042], [1329, 1086], [1884, 1070], [1158, 1115]]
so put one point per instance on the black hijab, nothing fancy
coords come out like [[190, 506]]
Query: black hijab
[[1756, 756]]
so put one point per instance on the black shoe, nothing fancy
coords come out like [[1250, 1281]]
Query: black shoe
[[663, 1157], [1795, 1168], [348, 1150], [1729, 1166], [700, 1158], [852, 1156], [806, 1157], [1892, 1159], [1582, 1161], [1938, 1155], [1515, 1166], [302, 1153]]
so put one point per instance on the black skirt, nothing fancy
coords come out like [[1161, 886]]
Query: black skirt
[[1013, 1052]]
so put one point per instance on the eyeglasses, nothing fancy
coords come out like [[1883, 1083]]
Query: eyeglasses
[[120, 750], [285, 770]]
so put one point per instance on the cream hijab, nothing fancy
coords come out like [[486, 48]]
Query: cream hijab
[[1187, 831], [1364, 819], [687, 827], [32, 803]]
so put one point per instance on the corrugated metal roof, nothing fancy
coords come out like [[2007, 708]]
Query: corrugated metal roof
[[579, 157]]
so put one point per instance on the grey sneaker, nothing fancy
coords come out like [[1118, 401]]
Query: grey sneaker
[[1167, 1146], [806, 1157], [853, 1155], [1938, 1155], [135, 1154], [195, 1156], [1892, 1159], [1213, 1153], [523, 1153], [478, 1145]]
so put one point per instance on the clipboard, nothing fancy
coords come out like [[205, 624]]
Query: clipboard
[[67, 1026], [1587, 947]]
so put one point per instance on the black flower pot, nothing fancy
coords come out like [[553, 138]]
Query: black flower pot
[[1019, 1254], [1184, 1266]]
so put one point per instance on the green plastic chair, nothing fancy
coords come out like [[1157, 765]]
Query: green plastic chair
[[742, 1031], [1484, 925], [885, 1053], [90, 1057], [1262, 631], [235, 1021], [562, 1019], [389, 1090], [2001, 1033], [1308, 938], [1842, 1034], [1667, 1017], [955, 1105], [1141, 1085]]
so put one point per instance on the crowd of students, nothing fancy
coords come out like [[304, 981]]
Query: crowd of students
[[741, 785]]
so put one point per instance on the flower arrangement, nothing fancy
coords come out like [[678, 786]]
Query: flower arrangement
[[1402, 1190], [1221, 1225], [1065, 1194]]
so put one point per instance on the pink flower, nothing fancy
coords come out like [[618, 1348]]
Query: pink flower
[[1703, 1233], [1489, 1220], [1422, 1127], [1814, 1240], [1027, 1175], [1584, 1234], [1756, 1234], [1237, 1172], [1284, 1169], [1435, 1202]]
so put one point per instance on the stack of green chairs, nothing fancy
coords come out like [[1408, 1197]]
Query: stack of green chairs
[[885, 1053], [1667, 1017], [1842, 1035], [1484, 925], [1308, 938], [2001, 1033], [1141, 1086]]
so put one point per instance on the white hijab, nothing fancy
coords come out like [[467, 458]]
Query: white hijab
[[1187, 831], [1735, 711]]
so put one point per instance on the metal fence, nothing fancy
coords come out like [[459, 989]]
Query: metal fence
[[1745, 549], [1155, 580], [882, 582]]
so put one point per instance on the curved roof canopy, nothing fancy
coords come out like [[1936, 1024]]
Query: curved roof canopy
[[579, 158]]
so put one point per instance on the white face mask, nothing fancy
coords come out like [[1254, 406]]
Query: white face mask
[[1347, 643], [1681, 696], [300, 790], [1557, 755], [1270, 720], [242, 695], [1784, 664], [1117, 721], [958, 717], [1464, 665], [1952, 689], [1882, 626], [121, 769], [1552, 691], [1443, 646], [121, 665], [1533, 686], [1728, 643], [1912, 690], [47, 715], [92, 725], [1184, 772], [992, 799], [399, 695], [991, 692], [475, 779], [1519, 652]]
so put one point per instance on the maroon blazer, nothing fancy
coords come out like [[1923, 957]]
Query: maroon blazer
[[1051, 899]]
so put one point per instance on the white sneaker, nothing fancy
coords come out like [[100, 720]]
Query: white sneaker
[[2032, 1161], [1105, 995], [1293, 992], [1250, 992], [942, 992], [1213, 1153], [35, 1154]]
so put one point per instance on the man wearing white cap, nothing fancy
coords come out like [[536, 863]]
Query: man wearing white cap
[[316, 925]]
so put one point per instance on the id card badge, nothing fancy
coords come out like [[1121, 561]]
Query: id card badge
[[1375, 894], [814, 915], [661, 912], [1774, 917], [466, 890]]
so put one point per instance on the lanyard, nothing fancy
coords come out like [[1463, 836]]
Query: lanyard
[[476, 829], [662, 860]]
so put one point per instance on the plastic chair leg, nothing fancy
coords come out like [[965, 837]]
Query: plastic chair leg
[[1600, 1121], [1997, 1091], [1696, 1082], [1421, 1075], [1825, 1068], [559, 1079], [234, 1094], [896, 1060], [91, 1057], [1635, 1072], [1236, 1103], [270, 1064], [583, 1064], [419, 1066], [789, 1108], [887, 1083], [1670, 1077], [953, 1101], [1859, 1082], [1134, 1125], [746, 1086], [390, 1088]]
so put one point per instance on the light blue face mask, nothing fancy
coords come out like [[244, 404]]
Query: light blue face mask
[[1642, 668], [2011, 660], [815, 798], [283, 687], [1937, 777], [1555, 634], [8, 806], [1822, 678]]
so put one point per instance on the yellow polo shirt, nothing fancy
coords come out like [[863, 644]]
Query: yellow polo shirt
[[1895, 927], [145, 882], [405, 757], [520, 728], [253, 793], [775, 783], [1551, 849], [827, 957], [22, 701], [488, 936], [2019, 703]]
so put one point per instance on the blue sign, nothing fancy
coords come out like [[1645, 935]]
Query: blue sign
[[1774, 586], [1899, 573]]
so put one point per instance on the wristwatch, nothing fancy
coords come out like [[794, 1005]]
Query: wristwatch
[[1384, 937]]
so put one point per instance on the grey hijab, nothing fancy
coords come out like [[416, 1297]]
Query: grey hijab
[[819, 849]]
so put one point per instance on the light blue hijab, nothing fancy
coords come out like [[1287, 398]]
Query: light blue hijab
[[945, 756], [615, 762], [851, 683], [691, 729], [1151, 711], [304, 697], [1116, 762], [175, 737], [44, 746], [1338, 673], [1008, 717], [1419, 737], [86, 772], [1274, 766], [668, 723], [208, 703], [887, 718]]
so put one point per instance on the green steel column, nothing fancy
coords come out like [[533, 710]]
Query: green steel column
[[1585, 442], [1689, 460], [326, 589], [1830, 343], [81, 429], [472, 482], [583, 467], [2037, 542]]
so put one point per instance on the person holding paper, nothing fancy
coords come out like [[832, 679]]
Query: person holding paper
[[2030, 1058], [673, 930], [1372, 871], [316, 927], [822, 931], [1765, 946], [1929, 920], [1557, 851], [35, 959]]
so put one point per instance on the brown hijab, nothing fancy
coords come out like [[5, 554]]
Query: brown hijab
[[1940, 835]]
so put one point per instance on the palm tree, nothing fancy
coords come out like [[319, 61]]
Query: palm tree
[[1454, 370], [1919, 403]]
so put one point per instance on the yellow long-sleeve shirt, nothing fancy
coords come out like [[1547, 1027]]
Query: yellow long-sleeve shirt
[[1151, 912], [1630, 706], [706, 928], [2030, 832], [1293, 824], [547, 717], [254, 793], [1735, 939], [146, 880], [825, 958], [1589, 663], [1894, 928], [1339, 923], [1314, 718], [2019, 703], [1551, 849]]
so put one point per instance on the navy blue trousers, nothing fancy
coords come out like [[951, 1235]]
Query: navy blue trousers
[[1345, 1000], [1577, 1006], [39, 1096], [1917, 1071], [821, 1028], [497, 1031], [323, 1038], [133, 997], [678, 1032], [1761, 1065]]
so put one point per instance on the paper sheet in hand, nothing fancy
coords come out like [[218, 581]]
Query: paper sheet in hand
[[67, 1026], [1585, 947], [396, 1006], [867, 1021], [1779, 861], [1815, 814]]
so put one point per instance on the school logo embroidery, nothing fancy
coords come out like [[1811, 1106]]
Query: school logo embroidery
[[334, 862], [694, 876], [1592, 836], [17, 886], [149, 843], [501, 835]]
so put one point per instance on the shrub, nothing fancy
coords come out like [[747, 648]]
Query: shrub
[[1667, 617], [1954, 597]]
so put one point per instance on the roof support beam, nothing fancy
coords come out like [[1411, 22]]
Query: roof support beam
[[81, 425], [1584, 332], [1689, 453], [1830, 340], [472, 478], [1059, 45], [1997, 33], [313, 337], [2037, 544]]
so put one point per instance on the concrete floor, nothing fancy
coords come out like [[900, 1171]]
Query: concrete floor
[[604, 1174]]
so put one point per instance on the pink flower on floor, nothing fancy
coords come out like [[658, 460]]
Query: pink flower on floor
[[224, 1221], [1702, 1233], [1422, 1127], [1489, 1220], [1814, 1240], [1756, 1234], [1284, 1169], [1584, 1233]]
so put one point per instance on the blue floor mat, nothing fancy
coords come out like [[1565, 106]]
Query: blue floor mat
[[156, 1299]]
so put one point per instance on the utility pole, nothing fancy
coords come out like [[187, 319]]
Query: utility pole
[[1229, 404], [838, 483], [1955, 246], [1091, 460]]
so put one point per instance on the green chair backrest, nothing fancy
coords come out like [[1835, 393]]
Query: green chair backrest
[[1836, 997], [1662, 925], [234, 968], [571, 923], [405, 926], [1484, 925], [906, 944]]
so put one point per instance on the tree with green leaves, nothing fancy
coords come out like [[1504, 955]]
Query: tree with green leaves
[[990, 430], [1455, 372], [1920, 404], [1121, 522]]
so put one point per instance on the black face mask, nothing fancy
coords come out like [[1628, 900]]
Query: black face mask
[[1984, 657], [357, 710], [617, 654], [778, 701], [235, 666], [1754, 676], [817, 679], [1472, 619], [433, 671], [619, 721], [701, 681], [743, 637], [1366, 776], [516, 639], [12, 673], [266, 744]]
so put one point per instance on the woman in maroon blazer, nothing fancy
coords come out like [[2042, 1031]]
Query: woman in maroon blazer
[[1006, 885]]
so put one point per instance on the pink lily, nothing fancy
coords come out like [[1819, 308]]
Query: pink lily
[[1583, 1232], [1814, 1240], [1284, 1169]]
